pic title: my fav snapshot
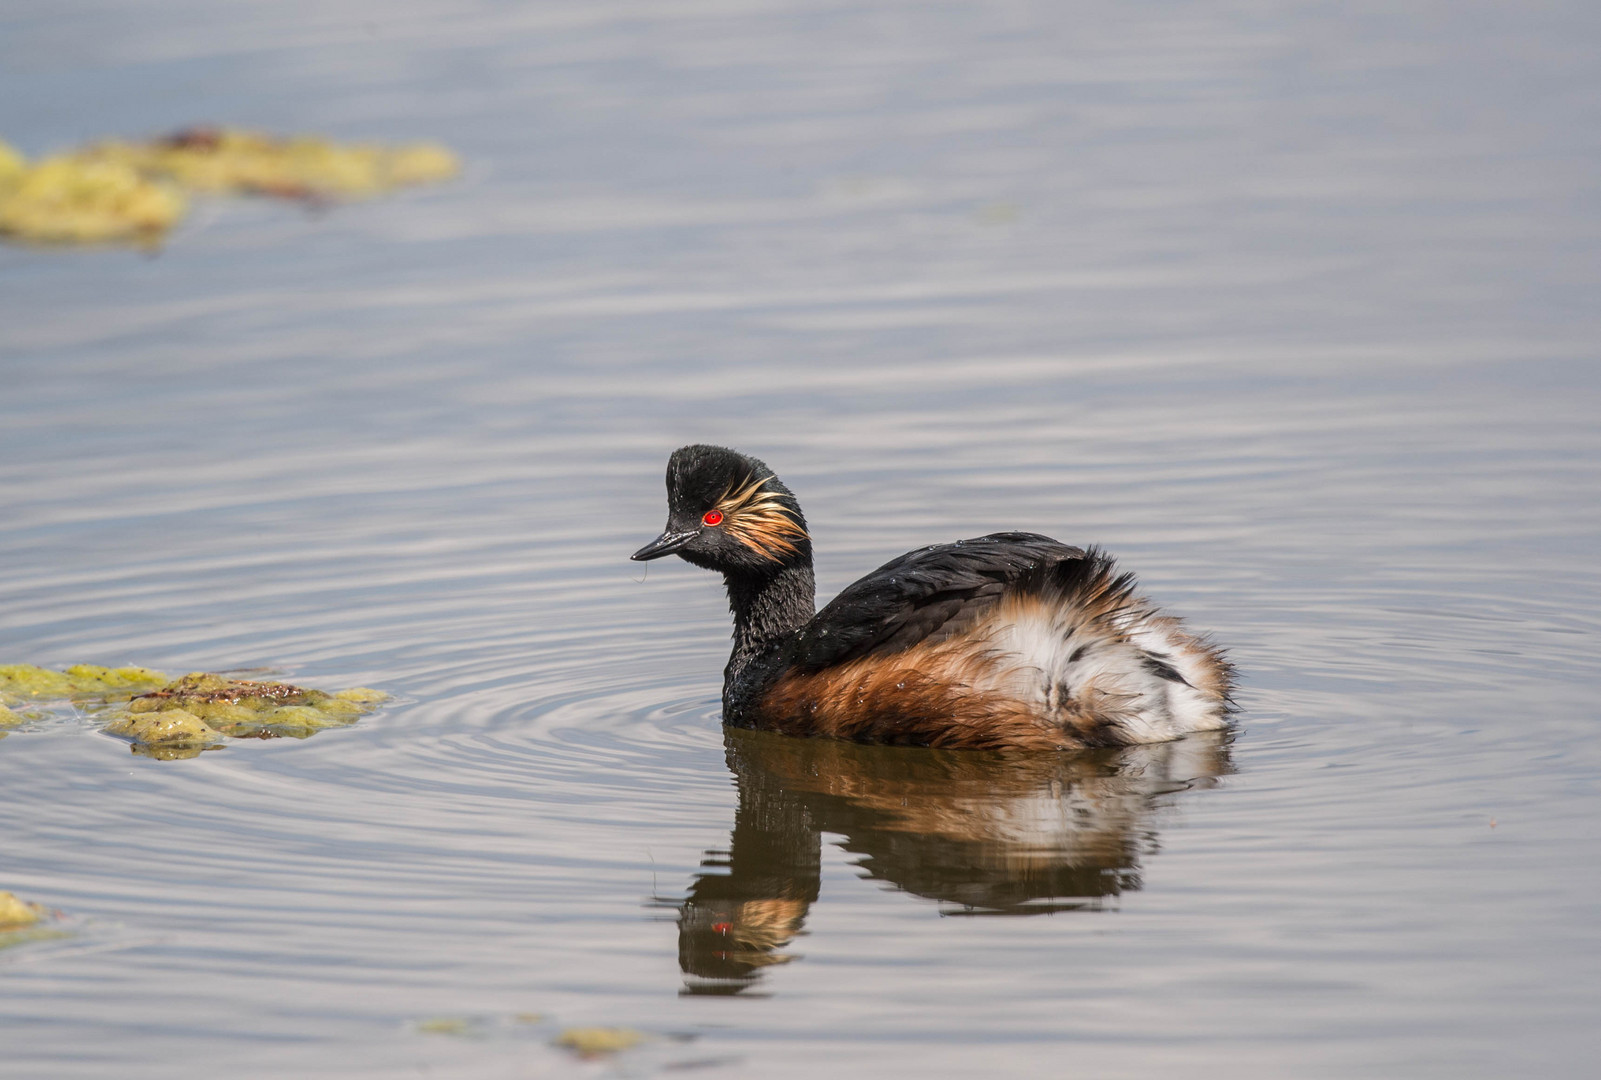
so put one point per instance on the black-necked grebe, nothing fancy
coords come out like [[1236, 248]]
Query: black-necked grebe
[[1006, 640]]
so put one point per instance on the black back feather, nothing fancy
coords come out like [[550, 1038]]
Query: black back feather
[[926, 595]]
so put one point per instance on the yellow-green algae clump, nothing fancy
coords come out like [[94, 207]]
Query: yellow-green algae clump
[[66, 200], [21, 922], [119, 191], [25, 682], [223, 160], [170, 718], [16, 913]]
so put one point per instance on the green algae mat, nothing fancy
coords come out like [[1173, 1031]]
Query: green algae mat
[[177, 718]]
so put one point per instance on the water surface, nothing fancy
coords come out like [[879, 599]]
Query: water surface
[[1289, 306]]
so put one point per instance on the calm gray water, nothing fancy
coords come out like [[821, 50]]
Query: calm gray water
[[1291, 306]]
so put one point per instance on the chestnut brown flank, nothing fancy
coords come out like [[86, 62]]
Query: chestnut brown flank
[[968, 692], [958, 694]]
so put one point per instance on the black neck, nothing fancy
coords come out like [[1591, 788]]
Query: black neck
[[767, 607]]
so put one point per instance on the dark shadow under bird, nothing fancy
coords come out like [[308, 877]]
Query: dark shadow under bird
[[1001, 641]]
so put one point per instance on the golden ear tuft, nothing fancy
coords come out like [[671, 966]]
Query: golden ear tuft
[[756, 516]]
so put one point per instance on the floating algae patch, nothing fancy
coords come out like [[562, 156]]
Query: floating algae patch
[[166, 718], [16, 913], [228, 160], [120, 191], [245, 709], [169, 729], [70, 200], [90, 682]]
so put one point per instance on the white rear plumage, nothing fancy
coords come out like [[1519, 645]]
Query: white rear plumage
[[1095, 651]]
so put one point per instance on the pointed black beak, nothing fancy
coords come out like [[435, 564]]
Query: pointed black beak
[[665, 544]]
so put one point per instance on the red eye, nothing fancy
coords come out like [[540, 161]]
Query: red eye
[[713, 517]]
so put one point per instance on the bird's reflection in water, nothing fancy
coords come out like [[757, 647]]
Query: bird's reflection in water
[[982, 833]]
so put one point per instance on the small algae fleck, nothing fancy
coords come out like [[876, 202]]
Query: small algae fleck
[[458, 1026], [997, 213], [590, 1042], [228, 160], [177, 718]]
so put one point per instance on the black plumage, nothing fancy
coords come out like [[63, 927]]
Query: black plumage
[[926, 595]]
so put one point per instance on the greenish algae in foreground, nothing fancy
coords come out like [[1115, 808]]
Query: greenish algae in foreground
[[180, 718]]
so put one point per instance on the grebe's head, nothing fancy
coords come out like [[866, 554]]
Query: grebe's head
[[728, 512]]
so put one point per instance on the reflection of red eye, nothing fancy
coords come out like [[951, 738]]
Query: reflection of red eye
[[713, 517]]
